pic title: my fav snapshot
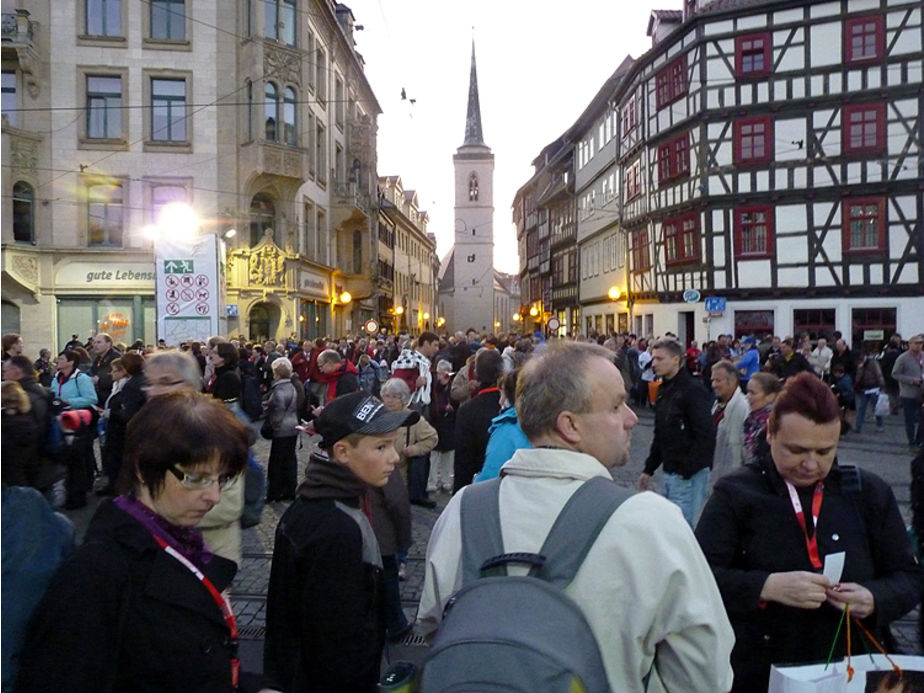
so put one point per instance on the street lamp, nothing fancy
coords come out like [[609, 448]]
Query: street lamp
[[534, 311], [614, 293], [346, 297]]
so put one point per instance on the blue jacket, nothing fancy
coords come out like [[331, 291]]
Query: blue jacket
[[506, 437], [749, 363], [78, 390]]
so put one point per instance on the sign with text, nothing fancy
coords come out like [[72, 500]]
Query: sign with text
[[715, 304], [190, 296]]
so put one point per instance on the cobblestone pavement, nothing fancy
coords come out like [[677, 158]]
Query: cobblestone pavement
[[883, 453]]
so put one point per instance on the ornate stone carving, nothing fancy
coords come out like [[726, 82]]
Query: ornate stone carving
[[267, 265], [280, 66], [272, 161], [27, 267], [23, 155]]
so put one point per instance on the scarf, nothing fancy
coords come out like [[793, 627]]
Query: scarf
[[187, 540], [329, 480]]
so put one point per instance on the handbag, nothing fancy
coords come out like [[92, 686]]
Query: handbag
[[267, 429], [882, 405]]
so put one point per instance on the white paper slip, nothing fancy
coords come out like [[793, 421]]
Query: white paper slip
[[834, 566]]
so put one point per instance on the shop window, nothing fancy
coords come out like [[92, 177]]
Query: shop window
[[168, 110], [758, 323], [863, 128], [752, 55], [753, 231], [753, 140], [870, 328], [23, 213], [864, 225], [671, 82], [681, 240], [104, 17], [104, 215], [864, 39], [818, 322], [168, 20]]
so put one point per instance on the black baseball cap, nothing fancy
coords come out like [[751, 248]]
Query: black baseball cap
[[359, 413]]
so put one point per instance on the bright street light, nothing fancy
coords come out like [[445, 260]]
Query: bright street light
[[178, 220]]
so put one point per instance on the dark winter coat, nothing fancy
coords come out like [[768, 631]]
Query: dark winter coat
[[325, 617], [473, 420], [684, 435], [19, 449], [102, 369], [391, 514], [748, 530], [122, 614], [226, 385], [443, 415]]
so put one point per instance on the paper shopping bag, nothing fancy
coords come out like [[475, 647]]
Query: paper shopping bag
[[871, 674]]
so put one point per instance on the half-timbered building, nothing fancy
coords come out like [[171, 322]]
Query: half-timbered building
[[778, 165], [768, 165]]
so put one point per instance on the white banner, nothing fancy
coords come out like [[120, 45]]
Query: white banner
[[190, 289]]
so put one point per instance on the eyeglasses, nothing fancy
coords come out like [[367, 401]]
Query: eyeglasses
[[148, 385], [200, 482]]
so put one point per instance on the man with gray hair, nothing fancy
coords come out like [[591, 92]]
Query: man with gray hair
[[644, 586]]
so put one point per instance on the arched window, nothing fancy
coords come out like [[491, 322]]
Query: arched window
[[262, 217], [288, 117], [473, 187], [23, 213], [271, 109], [357, 252]]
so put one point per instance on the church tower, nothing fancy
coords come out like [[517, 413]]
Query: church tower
[[467, 285]]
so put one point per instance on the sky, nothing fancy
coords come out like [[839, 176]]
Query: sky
[[539, 65]]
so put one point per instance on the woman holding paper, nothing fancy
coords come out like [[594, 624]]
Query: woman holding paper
[[778, 531]]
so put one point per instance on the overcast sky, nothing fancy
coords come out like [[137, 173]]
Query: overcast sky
[[539, 65]]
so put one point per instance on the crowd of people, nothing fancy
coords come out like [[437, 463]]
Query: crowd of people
[[745, 435]]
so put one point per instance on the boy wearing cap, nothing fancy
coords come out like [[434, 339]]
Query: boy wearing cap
[[325, 620]]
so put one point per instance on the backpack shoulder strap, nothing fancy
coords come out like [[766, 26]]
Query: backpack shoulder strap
[[479, 516], [577, 527]]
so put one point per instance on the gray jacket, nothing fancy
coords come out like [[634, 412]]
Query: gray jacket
[[906, 369], [282, 409]]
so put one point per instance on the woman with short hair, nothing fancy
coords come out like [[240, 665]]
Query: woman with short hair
[[281, 419], [769, 527], [139, 606]]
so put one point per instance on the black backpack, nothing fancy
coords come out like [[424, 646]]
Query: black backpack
[[505, 632]]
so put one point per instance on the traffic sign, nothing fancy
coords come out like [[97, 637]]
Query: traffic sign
[[715, 304], [371, 326], [554, 324]]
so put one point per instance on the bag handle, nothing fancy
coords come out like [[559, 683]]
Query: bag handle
[[573, 533]]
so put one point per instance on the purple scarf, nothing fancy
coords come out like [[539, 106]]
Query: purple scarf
[[187, 540]]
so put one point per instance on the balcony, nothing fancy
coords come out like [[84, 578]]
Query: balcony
[[272, 159], [17, 38], [349, 204]]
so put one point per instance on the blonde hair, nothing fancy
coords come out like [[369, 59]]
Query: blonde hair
[[13, 397]]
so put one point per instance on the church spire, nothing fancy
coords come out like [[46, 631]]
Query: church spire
[[473, 117]]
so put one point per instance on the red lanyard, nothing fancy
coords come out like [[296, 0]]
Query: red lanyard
[[222, 603], [811, 543], [489, 389]]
